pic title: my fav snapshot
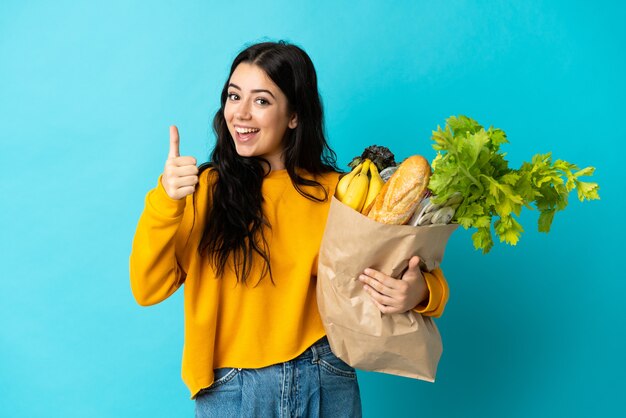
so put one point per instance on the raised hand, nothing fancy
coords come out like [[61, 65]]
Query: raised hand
[[180, 174]]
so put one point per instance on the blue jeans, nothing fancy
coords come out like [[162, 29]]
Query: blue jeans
[[314, 384]]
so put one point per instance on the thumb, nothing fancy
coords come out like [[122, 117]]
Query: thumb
[[413, 271], [174, 142], [414, 263]]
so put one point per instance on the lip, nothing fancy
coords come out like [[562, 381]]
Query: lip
[[245, 137]]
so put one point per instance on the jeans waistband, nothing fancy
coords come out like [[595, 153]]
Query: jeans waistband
[[320, 347]]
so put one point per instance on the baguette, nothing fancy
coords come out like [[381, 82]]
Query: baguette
[[401, 194]]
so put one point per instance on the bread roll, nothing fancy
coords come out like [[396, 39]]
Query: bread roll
[[401, 194]]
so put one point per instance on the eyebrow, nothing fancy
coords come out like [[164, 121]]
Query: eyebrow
[[253, 91]]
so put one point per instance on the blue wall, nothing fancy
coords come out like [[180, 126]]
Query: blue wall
[[88, 89]]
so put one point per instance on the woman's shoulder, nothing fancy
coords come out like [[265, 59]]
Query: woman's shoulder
[[328, 178]]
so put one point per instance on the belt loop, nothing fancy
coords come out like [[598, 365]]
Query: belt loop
[[316, 356]]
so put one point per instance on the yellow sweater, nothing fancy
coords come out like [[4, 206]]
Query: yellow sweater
[[229, 324]]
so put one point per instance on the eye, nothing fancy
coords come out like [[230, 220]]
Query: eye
[[233, 96], [262, 101]]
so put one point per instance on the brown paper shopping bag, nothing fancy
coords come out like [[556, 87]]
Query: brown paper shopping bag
[[405, 344]]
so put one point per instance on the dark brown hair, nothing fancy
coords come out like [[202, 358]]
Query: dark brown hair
[[235, 220]]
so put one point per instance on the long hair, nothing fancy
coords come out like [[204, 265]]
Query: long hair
[[235, 221]]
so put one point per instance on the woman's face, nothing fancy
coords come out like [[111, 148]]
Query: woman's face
[[257, 115]]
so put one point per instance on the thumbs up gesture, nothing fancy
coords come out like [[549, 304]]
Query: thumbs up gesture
[[180, 175]]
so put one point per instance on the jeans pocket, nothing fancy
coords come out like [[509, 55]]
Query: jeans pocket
[[221, 377], [334, 365]]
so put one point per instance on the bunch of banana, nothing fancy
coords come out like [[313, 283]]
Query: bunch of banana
[[359, 188]]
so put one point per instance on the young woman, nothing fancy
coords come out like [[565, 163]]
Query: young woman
[[243, 233]]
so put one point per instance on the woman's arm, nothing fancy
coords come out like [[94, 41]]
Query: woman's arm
[[155, 273]]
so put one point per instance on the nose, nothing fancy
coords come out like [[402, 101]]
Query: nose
[[243, 110]]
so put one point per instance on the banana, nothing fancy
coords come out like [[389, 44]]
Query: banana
[[342, 186], [376, 184], [357, 190]]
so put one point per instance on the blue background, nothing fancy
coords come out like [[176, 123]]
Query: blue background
[[88, 89]]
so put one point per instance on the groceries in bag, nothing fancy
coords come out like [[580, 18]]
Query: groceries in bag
[[470, 185]]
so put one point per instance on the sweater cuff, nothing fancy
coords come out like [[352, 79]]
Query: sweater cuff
[[162, 204], [438, 294]]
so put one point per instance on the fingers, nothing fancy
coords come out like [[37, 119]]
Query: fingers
[[182, 161], [375, 284], [389, 294], [185, 191], [182, 166], [174, 143], [387, 304], [382, 289], [178, 187], [382, 278], [379, 297], [386, 309], [180, 175], [178, 182]]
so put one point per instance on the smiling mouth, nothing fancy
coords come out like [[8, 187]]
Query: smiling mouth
[[245, 134]]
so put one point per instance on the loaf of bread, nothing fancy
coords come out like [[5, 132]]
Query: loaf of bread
[[401, 194]]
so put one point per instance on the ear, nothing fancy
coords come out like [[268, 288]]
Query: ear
[[293, 122]]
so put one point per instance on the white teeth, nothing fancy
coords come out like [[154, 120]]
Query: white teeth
[[246, 130]]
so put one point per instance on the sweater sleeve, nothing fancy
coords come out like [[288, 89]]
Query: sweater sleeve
[[155, 272], [438, 294]]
